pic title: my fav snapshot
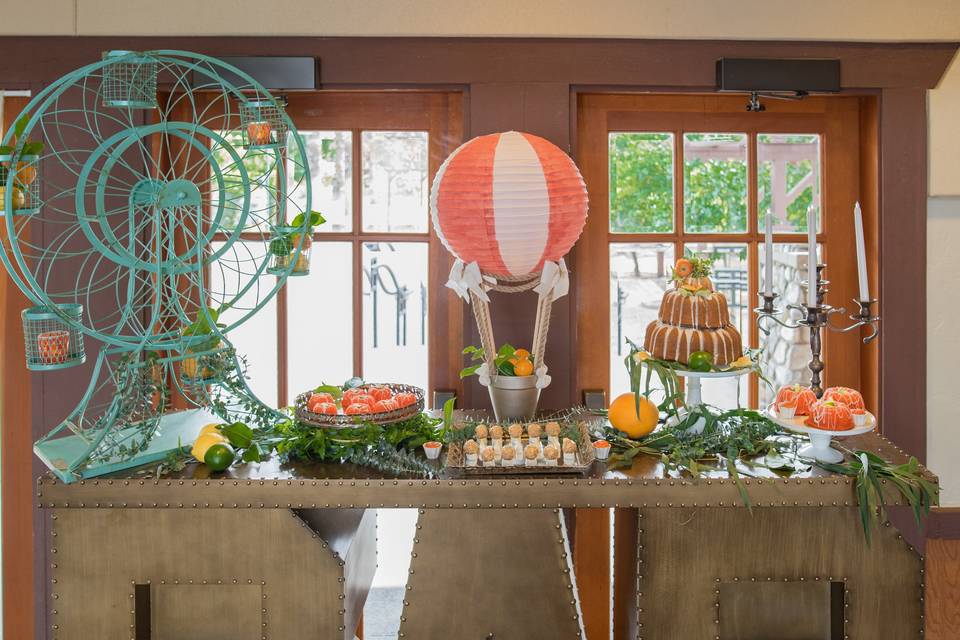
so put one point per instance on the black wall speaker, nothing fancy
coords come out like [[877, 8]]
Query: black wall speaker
[[798, 76]]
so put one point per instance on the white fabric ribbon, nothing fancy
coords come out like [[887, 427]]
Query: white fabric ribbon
[[543, 380], [466, 278], [483, 374], [554, 279]]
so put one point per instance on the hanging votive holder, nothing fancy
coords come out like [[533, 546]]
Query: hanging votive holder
[[129, 80], [52, 337], [285, 260], [21, 195], [263, 124]]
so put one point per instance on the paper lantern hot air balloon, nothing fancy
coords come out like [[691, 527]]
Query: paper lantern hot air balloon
[[509, 202], [509, 206]]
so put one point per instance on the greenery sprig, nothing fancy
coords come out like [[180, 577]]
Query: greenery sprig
[[871, 472]]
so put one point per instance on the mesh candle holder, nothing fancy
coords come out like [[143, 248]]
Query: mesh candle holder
[[19, 192], [263, 124], [285, 258], [130, 80], [52, 338]]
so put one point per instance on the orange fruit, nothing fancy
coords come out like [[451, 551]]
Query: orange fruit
[[521, 354], [683, 268], [357, 409], [26, 173], [523, 368], [405, 399], [380, 393], [623, 415]]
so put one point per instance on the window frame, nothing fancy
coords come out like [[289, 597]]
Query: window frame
[[440, 115]]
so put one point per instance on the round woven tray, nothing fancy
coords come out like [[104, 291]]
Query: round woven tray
[[341, 421]]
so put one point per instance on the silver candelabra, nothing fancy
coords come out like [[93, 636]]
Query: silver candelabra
[[817, 318]]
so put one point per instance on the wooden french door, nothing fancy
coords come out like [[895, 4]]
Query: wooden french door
[[794, 155], [655, 210]]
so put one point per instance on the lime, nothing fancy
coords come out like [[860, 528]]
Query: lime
[[701, 361], [281, 246], [219, 456]]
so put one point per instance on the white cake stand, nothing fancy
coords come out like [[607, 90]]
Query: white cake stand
[[694, 391], [819, 448]]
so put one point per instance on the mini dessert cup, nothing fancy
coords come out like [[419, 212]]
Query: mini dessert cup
[[508, 455], [488, 456], [471, 452], [432, 449], [860, 417], [530, 454], [481, 433], [553, 433], [569, 451], [601, 448], [551, 455], [787, 410]]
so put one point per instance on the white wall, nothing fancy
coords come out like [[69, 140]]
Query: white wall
[[874, 20]]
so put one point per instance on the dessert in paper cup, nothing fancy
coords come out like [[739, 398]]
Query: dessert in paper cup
[[470, 451], [516, 433], [860, 417], [488, 456], [553, 433], [508, 455], [569, 451], [787, 410], [432, 449], [534, 432], [551, 455], [496, 438], [601, 449], [530, 454], [480, 433]]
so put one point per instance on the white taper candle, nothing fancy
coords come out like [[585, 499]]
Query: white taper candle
[[861, 254], [811, 258], [768, 258]]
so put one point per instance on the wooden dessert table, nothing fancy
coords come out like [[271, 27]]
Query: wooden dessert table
[[288, 551]]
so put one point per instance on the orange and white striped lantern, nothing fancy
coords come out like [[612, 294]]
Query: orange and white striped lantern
[[509, 202]]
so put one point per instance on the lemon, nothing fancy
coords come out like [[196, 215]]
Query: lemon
[[741, 363], [213, 427], [204, 442]]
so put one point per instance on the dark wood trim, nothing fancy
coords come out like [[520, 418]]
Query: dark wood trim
[[17, 447], [390, 62], [903, 264], [944, 522]]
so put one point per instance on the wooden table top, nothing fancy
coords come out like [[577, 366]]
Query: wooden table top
[[276, 484]]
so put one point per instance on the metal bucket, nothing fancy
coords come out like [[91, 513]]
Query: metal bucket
[[514, 397]]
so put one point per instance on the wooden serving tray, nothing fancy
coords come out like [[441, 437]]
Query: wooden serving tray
[[456, 461]]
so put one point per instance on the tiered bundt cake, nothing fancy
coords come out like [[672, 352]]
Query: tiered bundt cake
[[693, 317]]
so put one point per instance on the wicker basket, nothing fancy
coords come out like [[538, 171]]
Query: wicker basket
[[341, 421]]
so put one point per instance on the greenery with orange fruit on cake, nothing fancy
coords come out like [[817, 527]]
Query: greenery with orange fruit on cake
[[693, 319]]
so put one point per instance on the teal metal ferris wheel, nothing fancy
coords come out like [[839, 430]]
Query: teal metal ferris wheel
[[153, 202]]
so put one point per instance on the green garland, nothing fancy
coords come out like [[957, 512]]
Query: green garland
[[386, 448]]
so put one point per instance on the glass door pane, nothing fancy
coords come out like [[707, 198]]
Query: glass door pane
[[641, 182], [320, 320], [395, 191], [395, 312], [638, 278], [730, 277], [330, 156], [786, 352], [256, 339], [788, 180], [715, 182]]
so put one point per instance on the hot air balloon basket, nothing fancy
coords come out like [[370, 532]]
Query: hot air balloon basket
[[129, 80]]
